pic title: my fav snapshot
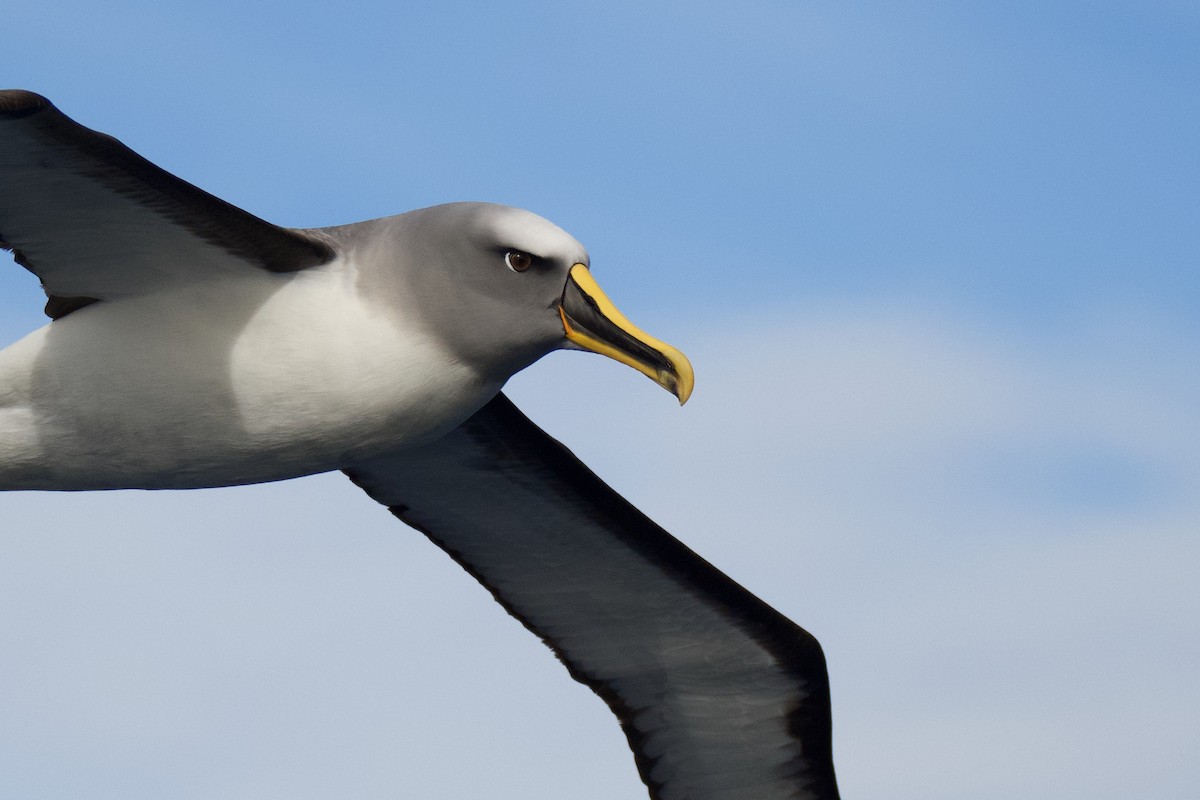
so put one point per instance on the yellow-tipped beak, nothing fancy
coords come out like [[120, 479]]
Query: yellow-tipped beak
[[591, 321]]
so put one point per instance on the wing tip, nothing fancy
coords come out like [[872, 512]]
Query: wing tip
[[16, 103]]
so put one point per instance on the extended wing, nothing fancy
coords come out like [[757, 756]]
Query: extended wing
[[721, 697], [94, 220]]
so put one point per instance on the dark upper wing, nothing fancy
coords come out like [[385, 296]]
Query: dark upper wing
[[94, 220], [721, 697]]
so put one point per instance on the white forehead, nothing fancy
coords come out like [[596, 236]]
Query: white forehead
[[505, 226]]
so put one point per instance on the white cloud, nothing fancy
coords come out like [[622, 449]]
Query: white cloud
[[907, 487], [992, 534]]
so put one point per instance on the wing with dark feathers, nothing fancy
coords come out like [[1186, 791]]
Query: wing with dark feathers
[[94, 220], [720, 696]]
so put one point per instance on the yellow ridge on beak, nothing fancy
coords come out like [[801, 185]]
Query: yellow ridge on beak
[[591, 321]]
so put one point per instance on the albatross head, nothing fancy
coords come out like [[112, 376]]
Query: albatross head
[[504, 287]]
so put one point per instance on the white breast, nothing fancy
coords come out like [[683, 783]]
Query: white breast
[[262, 378]]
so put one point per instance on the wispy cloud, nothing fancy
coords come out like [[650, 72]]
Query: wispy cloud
[[994, 537], [993, 534]]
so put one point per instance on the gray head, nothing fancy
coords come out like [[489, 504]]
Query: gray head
[[503, 287]]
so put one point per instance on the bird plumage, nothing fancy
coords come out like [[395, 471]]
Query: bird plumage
[[194, 345]]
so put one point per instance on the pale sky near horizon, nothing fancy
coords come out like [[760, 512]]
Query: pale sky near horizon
[[938, 268]]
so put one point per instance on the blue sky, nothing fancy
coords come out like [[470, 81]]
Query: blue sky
[[936, 265]]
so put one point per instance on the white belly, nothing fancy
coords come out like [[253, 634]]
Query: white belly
[[224, 384]]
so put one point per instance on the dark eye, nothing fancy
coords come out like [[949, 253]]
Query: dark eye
[[518, 261]]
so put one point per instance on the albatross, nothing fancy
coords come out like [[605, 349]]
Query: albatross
[[192, 344]]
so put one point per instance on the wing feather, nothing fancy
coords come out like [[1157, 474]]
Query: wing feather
[[94, 220], [719, 695]]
